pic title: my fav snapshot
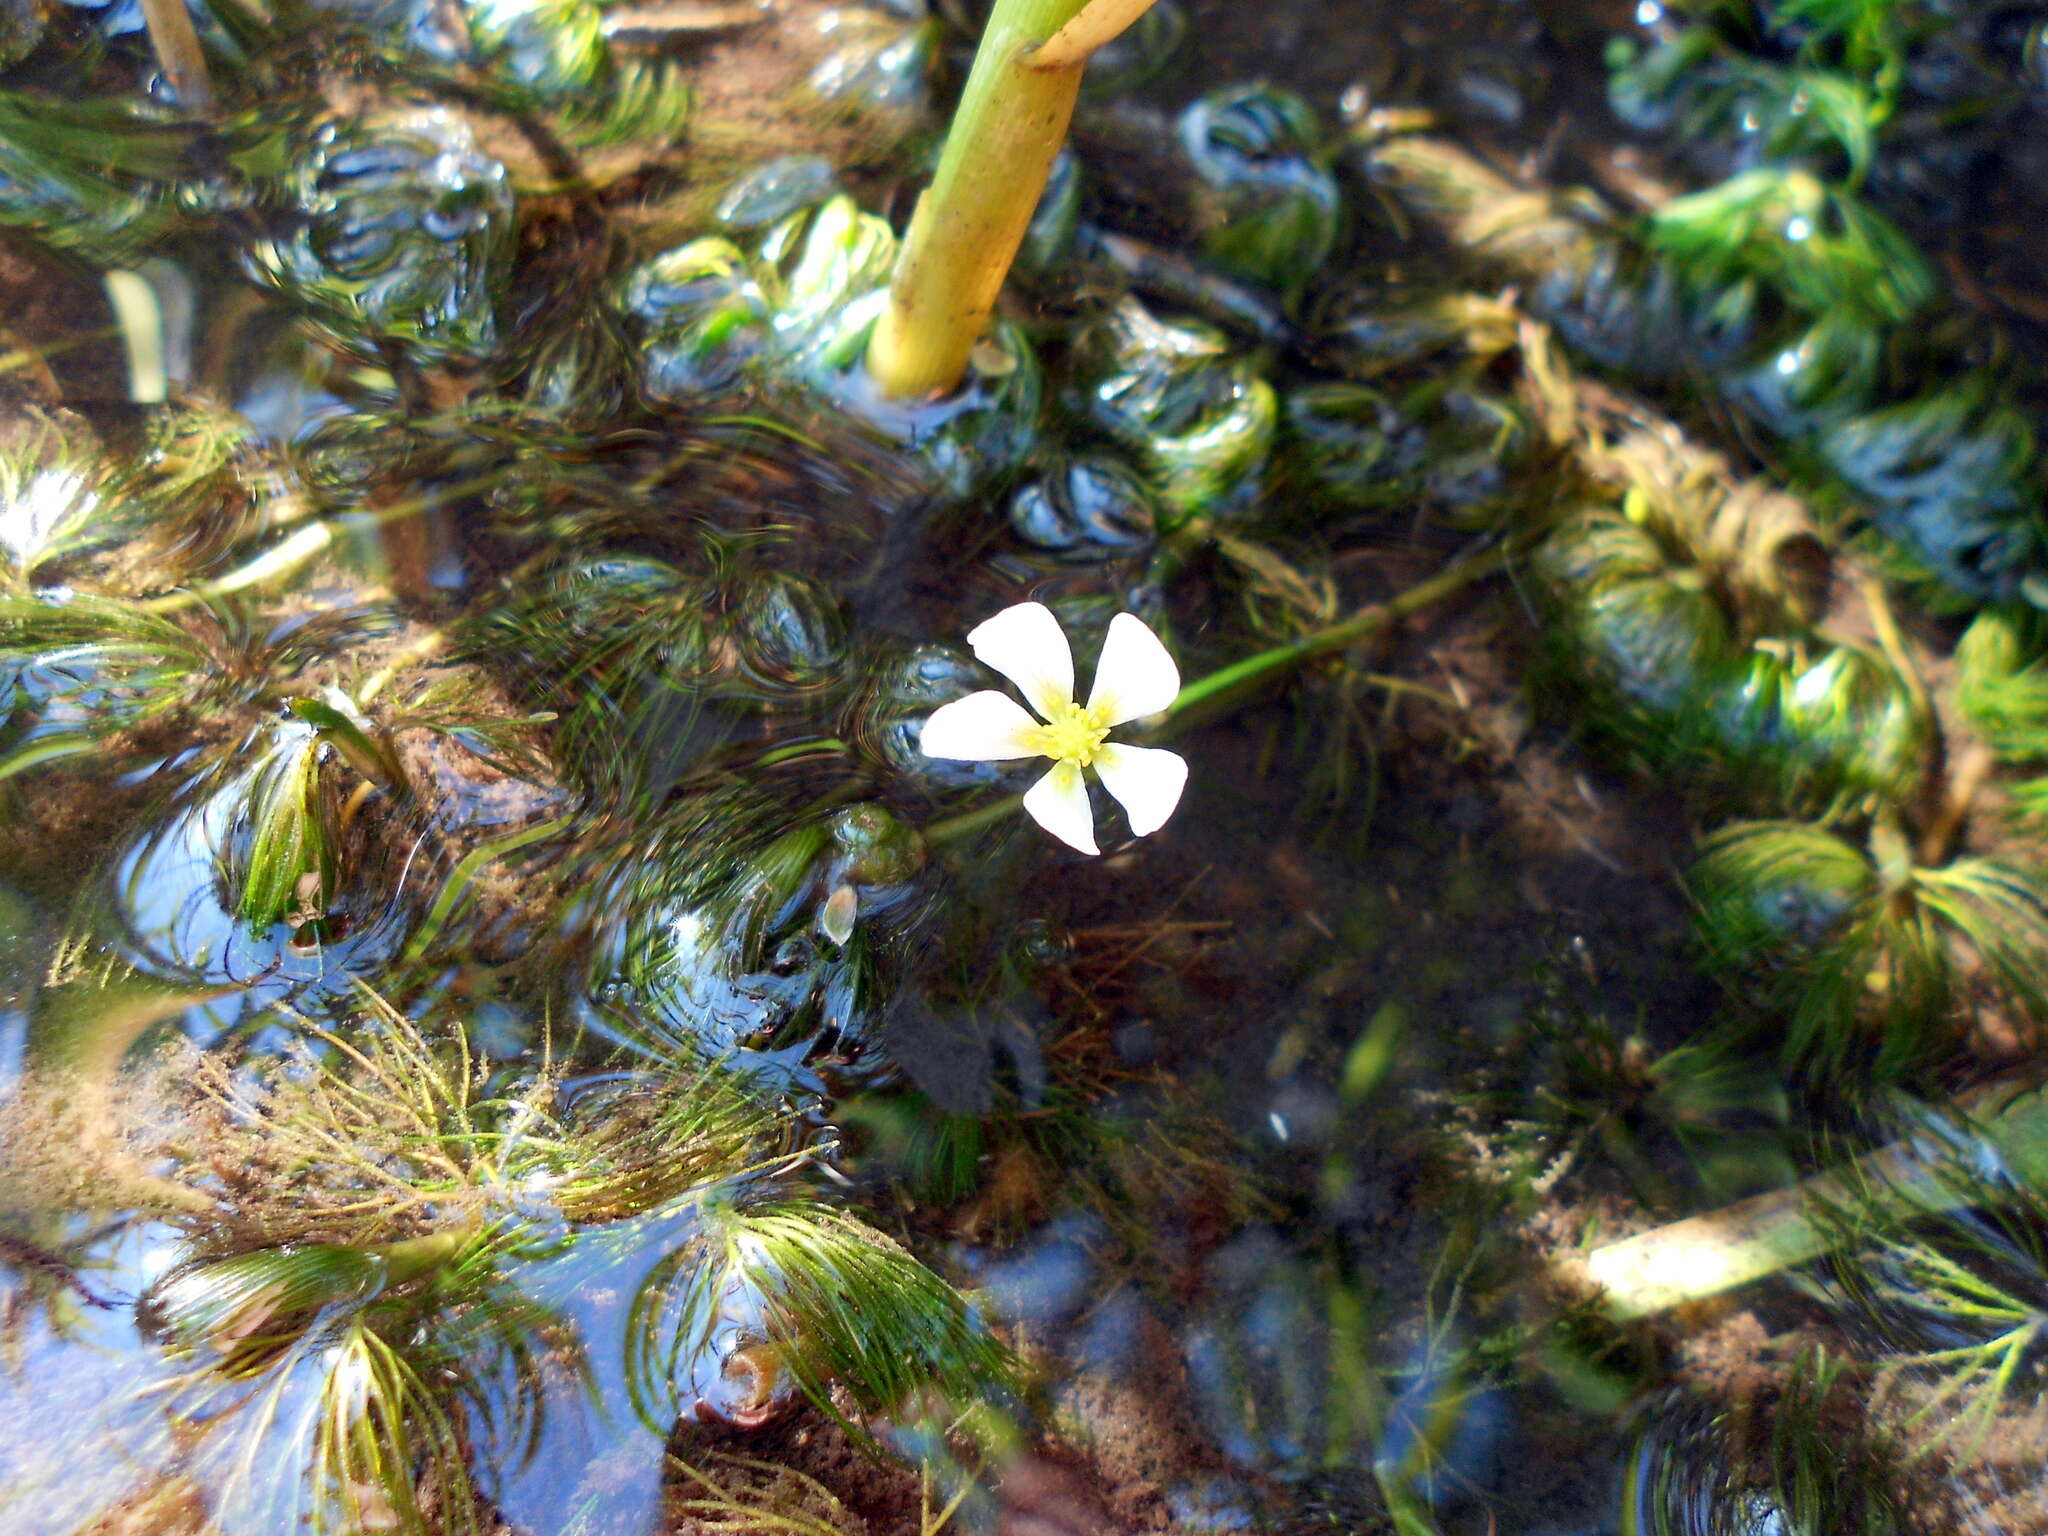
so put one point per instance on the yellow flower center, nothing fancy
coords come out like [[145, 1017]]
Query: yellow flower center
[[1073, 735]]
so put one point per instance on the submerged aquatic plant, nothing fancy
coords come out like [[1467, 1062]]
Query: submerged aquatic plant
[[283, 857], [794, 313], [1087, 506], [1821, 248], [1955, 1299], [1274, 206], [1134, 677], [1685, 653], [1807, 308], [94, 176], [834, 1302], [1797, 1462], [401, 234], [740, 924], [1869, 958], [370, 1293], [2002, 683], [1198, 419]]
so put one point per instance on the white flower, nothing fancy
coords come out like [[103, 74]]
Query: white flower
[[1134, 677]]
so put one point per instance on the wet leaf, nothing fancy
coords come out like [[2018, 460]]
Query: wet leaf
[[401, 233], [1200, 423], [1272, 210], [285, 856]]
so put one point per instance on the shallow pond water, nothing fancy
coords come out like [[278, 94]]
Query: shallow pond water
[[505, 1031]]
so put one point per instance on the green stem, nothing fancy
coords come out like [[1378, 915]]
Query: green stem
[[1705, 1255], [1222, 690], [1227, 688], [1011, 122], [954, 828]]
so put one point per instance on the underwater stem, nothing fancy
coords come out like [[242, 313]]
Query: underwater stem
[[1226, 687], [176, 42], [1705, 1255], [1011, 122]]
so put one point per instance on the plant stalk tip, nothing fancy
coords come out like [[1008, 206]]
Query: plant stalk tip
[[1706, 1255], [1099, 23]]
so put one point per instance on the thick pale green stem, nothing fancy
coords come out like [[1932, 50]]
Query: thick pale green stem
[[1012, 120], [1703, 1256], [176, 42]]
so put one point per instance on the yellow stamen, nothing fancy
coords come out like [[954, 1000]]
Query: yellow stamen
[[1073, 735]]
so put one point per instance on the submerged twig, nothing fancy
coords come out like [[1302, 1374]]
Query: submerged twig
[[1706, 1255], [176, 42]]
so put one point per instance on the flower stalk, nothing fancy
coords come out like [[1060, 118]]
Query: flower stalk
[[1010, 124], [1227, 688]]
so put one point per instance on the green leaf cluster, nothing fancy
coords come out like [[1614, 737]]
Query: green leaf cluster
[[1872, 961]]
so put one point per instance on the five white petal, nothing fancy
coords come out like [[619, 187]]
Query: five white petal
[[1134, 677], [985, 727], [1059, 803], [1027, 645]]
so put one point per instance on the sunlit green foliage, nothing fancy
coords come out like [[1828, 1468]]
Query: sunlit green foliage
[[2002, 683], [92, 176], [1818, 247], [841, 1303]]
